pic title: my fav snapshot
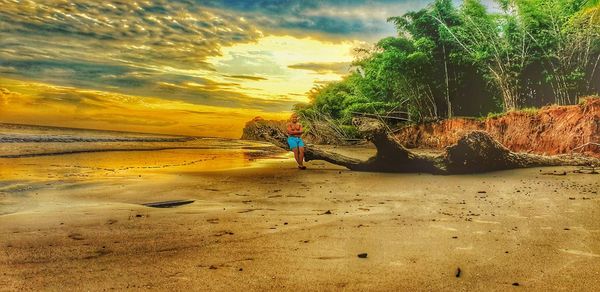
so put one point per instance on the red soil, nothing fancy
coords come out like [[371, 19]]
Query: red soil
[[551, 130]]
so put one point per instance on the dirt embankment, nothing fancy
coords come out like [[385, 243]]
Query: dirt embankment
[[550, 130]]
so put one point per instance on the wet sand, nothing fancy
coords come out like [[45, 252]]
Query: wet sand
[[266, 225]]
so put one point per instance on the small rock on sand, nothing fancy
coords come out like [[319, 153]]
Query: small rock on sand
[[362, 255]]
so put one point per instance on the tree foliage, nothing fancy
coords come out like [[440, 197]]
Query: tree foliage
[[466, 60]]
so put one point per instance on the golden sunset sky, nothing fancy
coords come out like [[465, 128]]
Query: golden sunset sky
[[188, 67]]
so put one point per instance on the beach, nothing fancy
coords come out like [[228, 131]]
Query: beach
[[77, 222]]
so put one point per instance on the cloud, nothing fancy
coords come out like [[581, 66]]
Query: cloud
[[45, 104], [128, 120], [73, 73], [328, 20], [7, 96], [156, 48], [324, 68], [7, 69], [157, 32], [210, 85], [100, 55], [223, 94], [247, 77], [248, 63], [138, 81], [128, 47]]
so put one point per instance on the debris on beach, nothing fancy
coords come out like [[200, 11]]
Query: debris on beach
[[168, 204], [554, 173], [362, 255], [586, 170]]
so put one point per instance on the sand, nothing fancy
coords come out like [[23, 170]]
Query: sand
[[266, 225]]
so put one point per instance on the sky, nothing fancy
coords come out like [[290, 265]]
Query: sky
[[193, 67]]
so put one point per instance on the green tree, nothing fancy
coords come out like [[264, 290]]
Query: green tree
[[496, 43], [447, 61]]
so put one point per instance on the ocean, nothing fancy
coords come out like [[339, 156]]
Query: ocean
[[41, 153]]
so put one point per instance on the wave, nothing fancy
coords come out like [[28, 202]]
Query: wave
[[65, 152], [75, 139], [16, 133], [18, 141]]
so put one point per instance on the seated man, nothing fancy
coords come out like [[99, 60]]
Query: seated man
[[294, 130]]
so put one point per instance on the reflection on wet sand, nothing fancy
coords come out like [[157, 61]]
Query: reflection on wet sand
[[93, 166]]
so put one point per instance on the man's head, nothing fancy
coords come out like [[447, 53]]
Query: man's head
[[294, 118]]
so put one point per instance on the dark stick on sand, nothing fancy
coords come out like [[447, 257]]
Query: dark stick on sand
[[168, 204]]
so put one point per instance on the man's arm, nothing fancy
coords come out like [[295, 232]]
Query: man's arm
[[290, 131]]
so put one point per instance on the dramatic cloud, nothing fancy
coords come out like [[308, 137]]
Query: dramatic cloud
[[21, 101], [6, 96], [324, 68], [332, 19], [248, 77], [151, 32], [259, 55]]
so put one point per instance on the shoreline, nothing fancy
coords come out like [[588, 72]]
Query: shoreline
[[107, 150], [37, 127]]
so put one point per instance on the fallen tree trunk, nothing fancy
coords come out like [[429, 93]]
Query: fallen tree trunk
[[477, 151], [391, 155]]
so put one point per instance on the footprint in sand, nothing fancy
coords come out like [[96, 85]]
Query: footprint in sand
[[444, 227], [329, 258], [581, 253], [76, 236], [223, 232], [486, 222]]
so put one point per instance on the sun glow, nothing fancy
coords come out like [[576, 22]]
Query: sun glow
[[271, 58]]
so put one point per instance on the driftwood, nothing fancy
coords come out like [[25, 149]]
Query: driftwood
[[168, 204], [477, 151]]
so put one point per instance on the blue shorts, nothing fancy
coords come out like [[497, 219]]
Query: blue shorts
[[295, 142]]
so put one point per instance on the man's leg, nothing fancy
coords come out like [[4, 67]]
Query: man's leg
[[300, 155], [295, 150]]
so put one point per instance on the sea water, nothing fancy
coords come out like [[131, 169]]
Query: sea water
[[49, 153]]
